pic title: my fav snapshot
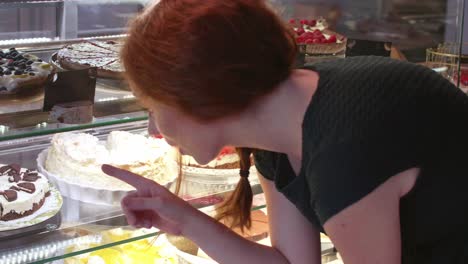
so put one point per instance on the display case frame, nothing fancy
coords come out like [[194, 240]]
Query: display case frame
[[24, 132]]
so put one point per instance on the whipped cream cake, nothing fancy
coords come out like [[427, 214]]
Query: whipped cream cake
[[21, 70], [77, 158], [104, 55], [22, 192]]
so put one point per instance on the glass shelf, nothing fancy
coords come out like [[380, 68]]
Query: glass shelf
[[81, 231], [21, 116]]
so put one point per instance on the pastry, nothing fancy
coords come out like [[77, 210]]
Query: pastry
[[77, 158], [104, 55], [314, 37], [227, 159], [22, 192], [20, 71]]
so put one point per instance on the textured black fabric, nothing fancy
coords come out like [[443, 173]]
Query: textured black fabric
[[370, 119]]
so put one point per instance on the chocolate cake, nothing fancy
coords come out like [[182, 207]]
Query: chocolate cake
[[104, 55], [22, 192]]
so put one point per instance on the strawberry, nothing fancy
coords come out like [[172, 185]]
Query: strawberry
[[300, 31], [464, 77], [332, 39], [301, 39], [227, 150], [292, 21], [309, 41], [312, 22], [304, 22]]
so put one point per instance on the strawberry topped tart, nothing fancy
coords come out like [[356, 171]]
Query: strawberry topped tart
[[315, 37], [227, 159]]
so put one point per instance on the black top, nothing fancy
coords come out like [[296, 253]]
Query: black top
[[370, 119]]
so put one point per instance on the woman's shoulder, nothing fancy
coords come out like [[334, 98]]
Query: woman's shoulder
[[367, 67], [265, 162], [367, 96]]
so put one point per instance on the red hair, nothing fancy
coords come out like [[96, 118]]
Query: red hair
[[210, 59]]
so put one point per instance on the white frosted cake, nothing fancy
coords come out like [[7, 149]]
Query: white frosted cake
[[21, 70], [77, 158], [22, 192]]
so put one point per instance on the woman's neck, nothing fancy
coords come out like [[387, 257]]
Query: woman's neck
[[274, 123]]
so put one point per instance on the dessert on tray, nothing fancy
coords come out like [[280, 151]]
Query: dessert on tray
[[22, 192], [20, 71], [74, 160], [104, 55], [219, 175], [314, 37], [78, 157], [227, 159]]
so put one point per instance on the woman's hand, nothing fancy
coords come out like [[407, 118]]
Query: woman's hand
[[152, 205]]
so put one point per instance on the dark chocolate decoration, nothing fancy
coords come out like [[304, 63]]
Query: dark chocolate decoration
[[10, 195], [14, 178], [4, 169], [16, 167], [27, 187], [31, 177]]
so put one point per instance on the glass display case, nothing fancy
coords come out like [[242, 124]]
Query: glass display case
[[430, 33]]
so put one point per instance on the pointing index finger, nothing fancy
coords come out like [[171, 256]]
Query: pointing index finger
[[140, 183]]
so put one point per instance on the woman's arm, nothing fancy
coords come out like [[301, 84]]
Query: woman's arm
[[293, 238], [369, 230]]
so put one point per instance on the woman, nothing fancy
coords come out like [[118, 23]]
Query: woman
[[369, 150]]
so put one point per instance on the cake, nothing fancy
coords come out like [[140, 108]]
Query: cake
[[77, 158], [218, 176], [227, 159], [21, 71], [104, 55], [314, 37], [22, 192]]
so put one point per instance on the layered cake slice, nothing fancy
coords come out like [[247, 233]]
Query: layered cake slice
[[22, 192], [20, 71]]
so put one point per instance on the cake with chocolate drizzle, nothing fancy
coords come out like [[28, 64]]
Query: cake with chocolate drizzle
[[104, 55], [22, 192]]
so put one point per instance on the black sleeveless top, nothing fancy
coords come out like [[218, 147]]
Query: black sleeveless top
[[370, 119]]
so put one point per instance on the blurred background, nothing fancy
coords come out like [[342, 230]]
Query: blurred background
[[412, 25]]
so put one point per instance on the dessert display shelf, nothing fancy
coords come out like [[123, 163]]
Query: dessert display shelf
[[80, 227], [24, 70]]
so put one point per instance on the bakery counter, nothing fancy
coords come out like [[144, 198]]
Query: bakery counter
[[21, 111], [71, 222]]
